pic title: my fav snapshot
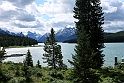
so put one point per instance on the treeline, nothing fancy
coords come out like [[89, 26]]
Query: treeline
[[9, 40], [116, 37], [109, 38]]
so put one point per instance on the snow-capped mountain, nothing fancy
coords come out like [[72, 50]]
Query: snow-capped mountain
[[65, 33], [62, 34], [29, 34], [33, 35]]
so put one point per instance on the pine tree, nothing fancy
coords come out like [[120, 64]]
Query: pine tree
[[29, 60], [26, 72], [52, 50], [2, 53], [38, 64], [90, 41], [59, 57], [83, 63], [90, 16]]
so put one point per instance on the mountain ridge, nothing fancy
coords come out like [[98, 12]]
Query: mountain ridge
[[65, 34]]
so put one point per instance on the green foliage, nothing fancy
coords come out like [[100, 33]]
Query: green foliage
[[90, 41], [53, 54], [119, 66], [55, 74], [90, 17], [38, 64], [2, 53], [108, 80], [115, 37], [46, 75], [26, 72], [9, 40], [84, 66], [29, 60]]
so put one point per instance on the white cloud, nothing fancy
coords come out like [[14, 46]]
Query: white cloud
[[26, 15]]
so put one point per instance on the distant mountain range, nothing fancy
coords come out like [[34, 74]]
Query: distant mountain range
[[67, 34], [61, 35], [29, 34]]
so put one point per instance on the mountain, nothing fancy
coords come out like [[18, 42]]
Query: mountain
[[29, 34], [20, 34], [43, 38], [33, 35], [2, 31], [65, 34], [11, 33], [62, 34]]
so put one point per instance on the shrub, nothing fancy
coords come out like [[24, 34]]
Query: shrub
[[56, 74], [21, 80]]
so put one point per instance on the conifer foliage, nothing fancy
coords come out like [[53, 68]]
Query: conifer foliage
[[83, 60], [2, 53], [90, 16], [90, 41], [53, 54], [29, 60]]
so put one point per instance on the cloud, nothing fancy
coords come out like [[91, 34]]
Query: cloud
[[24, 15], [20, 3], [113, 12]]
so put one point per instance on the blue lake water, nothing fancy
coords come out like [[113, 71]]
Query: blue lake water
[[111, 50]]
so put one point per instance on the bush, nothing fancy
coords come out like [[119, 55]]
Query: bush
[[108, 80], [56, 74], [21, 80]]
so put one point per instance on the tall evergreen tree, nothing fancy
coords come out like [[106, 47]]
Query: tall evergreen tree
[[59, 58], [29, 60], [26, 72], [38, 64], [90, 41], [52, 50], [83, 63], [90, 16], [2, 53]]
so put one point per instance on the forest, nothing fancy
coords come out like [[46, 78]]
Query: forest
[[87, 62], [109, 38], [9, 40], [55, 71]]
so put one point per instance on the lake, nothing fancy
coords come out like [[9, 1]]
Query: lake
[[111, 50]]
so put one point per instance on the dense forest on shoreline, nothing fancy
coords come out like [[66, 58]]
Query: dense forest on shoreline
[[109, 38], [9, 40]]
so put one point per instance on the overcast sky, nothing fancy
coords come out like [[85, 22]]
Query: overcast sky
[[42, 15]]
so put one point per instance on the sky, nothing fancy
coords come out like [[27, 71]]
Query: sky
[[41, 15]]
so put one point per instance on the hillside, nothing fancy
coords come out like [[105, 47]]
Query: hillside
[[116, 37], [109, 38]]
